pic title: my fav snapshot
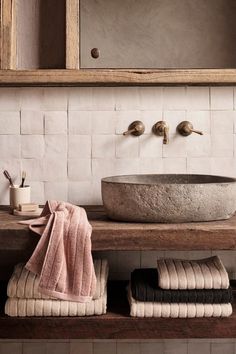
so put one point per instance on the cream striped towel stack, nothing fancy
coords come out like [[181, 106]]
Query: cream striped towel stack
[[24, 299], [178, 276]]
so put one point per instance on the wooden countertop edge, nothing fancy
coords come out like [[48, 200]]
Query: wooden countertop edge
[[112, 235]]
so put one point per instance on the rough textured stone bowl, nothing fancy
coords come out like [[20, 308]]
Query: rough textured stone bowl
[[169, 198]]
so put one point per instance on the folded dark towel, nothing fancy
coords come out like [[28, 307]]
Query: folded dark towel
[[144, 287]]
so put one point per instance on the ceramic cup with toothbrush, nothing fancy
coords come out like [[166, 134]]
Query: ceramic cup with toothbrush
[[19, 194]]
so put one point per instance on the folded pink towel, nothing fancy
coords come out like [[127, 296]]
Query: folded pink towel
[[62, 257]]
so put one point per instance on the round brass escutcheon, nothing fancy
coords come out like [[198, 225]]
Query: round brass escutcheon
[[161, 128], [95, 53], [185, 128], [136, 128]]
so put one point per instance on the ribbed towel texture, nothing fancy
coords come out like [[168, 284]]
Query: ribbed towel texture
[[145, 288], [24, 284], [177, 310], [26, 300], [35, 307], [62, 258], [181, 289], [206, 273]]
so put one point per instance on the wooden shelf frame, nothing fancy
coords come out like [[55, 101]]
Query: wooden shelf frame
[[7, 35], [116, 326], [85, 77], [72, 34], [72, 75]]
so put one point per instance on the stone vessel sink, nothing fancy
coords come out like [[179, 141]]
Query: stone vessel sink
[[169, 198]]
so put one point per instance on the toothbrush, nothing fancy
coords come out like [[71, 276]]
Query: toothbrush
[[23, 179], [7, 175]]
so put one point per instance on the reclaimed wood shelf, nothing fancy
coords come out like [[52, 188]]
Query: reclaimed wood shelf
[[116, 324], [86, 77], [112, 235]]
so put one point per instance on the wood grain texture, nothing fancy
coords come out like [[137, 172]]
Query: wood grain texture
[[117, 77], [8, 43], [116, 324], [112, 235], [13, 38], [72, 34]]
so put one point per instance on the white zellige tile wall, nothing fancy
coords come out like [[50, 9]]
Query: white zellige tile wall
[[68, 138]]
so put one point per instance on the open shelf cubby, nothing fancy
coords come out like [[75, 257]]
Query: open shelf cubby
[[40, 34], [17, 243], [115, 324]]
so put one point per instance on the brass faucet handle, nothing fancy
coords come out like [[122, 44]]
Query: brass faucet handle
[[166, 135], [130, 131], [197, 131], [185, 128], [136, 128], [161, 128]]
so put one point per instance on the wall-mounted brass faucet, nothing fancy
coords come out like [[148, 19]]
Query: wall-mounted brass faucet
[[161, 128], [185, 128], [136, 128]]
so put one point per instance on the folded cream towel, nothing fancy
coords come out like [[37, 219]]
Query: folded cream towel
[[24, 284], [25, 299], [62, 257], [39, 307], [207, 273], [177, 310]]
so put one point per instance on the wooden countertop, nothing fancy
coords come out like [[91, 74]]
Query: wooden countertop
[[113, 235]]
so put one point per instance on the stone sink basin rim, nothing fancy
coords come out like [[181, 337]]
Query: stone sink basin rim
[[169, 198]]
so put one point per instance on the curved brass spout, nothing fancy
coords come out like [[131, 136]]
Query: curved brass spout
[[161, 128]]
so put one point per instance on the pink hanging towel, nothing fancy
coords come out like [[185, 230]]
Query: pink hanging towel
[[62, 257]]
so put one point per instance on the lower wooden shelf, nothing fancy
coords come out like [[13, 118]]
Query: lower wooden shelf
[[116, 324]]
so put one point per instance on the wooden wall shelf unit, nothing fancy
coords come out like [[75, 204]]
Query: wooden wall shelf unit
[[71, 74], [17, 244], [85, 77]]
